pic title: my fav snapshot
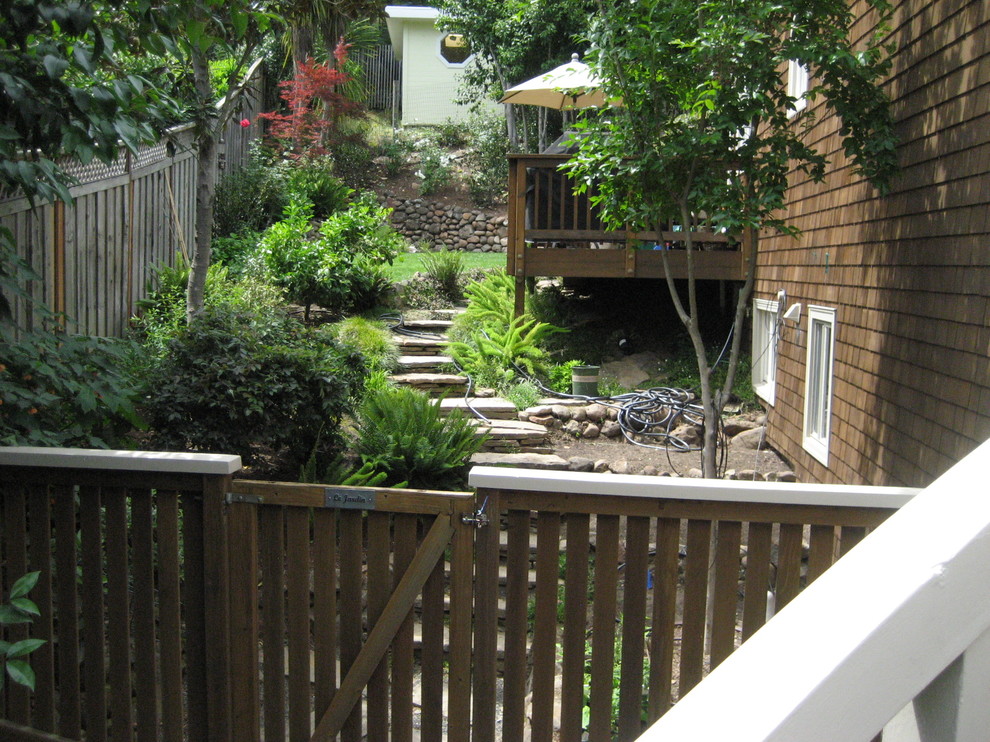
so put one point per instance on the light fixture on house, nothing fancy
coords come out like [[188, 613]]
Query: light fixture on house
[[793, 313]]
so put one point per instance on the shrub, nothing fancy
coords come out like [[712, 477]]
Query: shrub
[[402, 433], [396, 153], [249, 199], [434, 170], [312, 179], [371, 338], [523, 395], [234, 251], [236, 382], [451, 134], [353, 161], [487, 160], [61, 389], [341, 267], [446, 269]]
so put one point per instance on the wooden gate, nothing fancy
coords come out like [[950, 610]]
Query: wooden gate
[[350, 610]]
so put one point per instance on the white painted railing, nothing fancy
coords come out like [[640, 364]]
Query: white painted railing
[[902, 638]]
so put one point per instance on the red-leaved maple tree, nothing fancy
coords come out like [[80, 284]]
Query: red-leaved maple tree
[[316, 105]]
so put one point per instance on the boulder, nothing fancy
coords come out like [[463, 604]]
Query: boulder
[[580, 463], [649, 471], [601, 466], [596, 412], [735, 425], [572, 427], [749, 440], [611, 429], [632, 371]]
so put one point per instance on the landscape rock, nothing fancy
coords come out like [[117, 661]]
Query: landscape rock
[[749, 475], [561, 412], [735, 425], [619, 467], [572, 427], [546, 421], [580, 463], [590, 430], [632, 371], [751, 440], [649, 471], [690, 434], [596, 412], [601, 466], [579, 414], [694, 474], [786, 476], [611, 429], [448, 227]]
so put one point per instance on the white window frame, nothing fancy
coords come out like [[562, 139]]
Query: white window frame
[[818, 382], [764, 351], [798, 79], [442, 58]]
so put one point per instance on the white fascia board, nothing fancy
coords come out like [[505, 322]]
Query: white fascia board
[[411, 12], [141, 461], [716, 490]]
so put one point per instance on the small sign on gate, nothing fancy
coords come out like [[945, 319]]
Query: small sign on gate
[[349, 499]]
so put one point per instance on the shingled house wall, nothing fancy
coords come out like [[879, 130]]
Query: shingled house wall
[[907, 274]]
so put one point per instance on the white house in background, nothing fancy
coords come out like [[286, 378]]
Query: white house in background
[[432, 64]]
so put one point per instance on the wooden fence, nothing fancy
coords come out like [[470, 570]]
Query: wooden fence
[[94, 256], [223, 609]]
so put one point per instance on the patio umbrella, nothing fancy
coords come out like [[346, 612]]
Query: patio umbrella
[[571, 85]]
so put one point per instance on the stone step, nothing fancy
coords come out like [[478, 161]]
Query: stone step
[[419, 346], [408, 363], [508, 434], [427, 324], [548, 462], [494, 408], [430, 382]]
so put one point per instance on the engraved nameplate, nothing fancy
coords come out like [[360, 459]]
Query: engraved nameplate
[[349, 499]]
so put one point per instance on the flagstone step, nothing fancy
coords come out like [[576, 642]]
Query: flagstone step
[[494, 408], [408, 363], [419, 346], [510, 433], [427, 382], [427, 324], [546, 462]]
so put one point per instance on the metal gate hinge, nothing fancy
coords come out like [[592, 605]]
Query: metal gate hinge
[[478, 519]]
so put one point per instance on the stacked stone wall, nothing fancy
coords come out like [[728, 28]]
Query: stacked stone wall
[[450, 227]]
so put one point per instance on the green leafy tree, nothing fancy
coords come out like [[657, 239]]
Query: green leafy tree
[[708, 131], [514, 40]]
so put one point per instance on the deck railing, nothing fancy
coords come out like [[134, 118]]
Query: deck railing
[[179, 604], [545, 214], [899, 636]]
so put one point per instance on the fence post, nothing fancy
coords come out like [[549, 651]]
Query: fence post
[[216, 608], [245, 700], [486, 617]]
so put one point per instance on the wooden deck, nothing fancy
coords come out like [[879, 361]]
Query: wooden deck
[[553, 232]]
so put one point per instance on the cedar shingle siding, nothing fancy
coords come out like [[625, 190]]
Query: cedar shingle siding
[[908, 274]]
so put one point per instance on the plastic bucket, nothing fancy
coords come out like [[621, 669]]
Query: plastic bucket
[[584, 381]]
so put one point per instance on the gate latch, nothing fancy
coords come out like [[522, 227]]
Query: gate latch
[[479, 518]]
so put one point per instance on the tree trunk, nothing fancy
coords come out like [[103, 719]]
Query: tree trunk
[[302, 45], [206, 175]]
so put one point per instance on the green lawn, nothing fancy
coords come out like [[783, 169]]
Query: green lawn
[[408, 263]]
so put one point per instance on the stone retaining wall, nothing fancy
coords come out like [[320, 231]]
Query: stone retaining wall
[[452, 227]]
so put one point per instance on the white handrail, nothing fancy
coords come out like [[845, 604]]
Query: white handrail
[[140, 461], [777, 493], [870, 635]]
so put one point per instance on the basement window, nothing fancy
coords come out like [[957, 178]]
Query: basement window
[[818, 382], [764, 349]]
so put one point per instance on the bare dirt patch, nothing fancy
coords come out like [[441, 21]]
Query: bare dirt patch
[[765, 461]]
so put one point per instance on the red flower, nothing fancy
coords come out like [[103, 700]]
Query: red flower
[[245, 123]]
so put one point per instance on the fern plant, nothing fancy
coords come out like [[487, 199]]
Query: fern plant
[[516, 345], [401, 432]]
